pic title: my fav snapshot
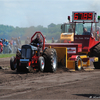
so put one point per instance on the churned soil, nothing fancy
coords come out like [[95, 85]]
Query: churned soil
[[63, 84]]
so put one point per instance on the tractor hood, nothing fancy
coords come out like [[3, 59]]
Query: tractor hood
[[29, 46]]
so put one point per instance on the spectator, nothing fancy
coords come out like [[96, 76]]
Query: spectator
[[14, 45], [16, 39], [5, 46], [11, 41], [27, 41], [53, 40], [5, 42], [9, 46], [1, 46], [19, 42], [2, 40], [14, 42]]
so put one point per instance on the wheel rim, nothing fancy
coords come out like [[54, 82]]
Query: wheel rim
[[42, 64], [54, 61], [79, 64]]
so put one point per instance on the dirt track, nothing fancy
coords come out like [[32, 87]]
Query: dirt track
[[62, 84]]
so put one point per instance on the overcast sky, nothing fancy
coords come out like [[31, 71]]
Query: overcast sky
[[26, 13]]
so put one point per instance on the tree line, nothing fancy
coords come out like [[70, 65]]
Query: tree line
[[52, 30]]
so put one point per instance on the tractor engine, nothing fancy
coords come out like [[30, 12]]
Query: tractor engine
[[27, 51]]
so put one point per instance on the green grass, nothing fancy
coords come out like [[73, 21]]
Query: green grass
[[6, 55]]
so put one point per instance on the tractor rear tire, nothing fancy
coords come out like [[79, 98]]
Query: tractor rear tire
[[50, 57], [78, 63], [41, 64], [12, 65], [95, 52], [96, 65]]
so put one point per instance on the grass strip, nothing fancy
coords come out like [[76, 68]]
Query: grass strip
[[6, 55]]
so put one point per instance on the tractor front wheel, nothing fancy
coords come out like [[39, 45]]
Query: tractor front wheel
[[41, 64], [13, 65]]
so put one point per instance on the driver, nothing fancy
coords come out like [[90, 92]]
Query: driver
[[85, 32], [38, 43]]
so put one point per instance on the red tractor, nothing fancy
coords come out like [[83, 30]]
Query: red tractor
[[27, 58]]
